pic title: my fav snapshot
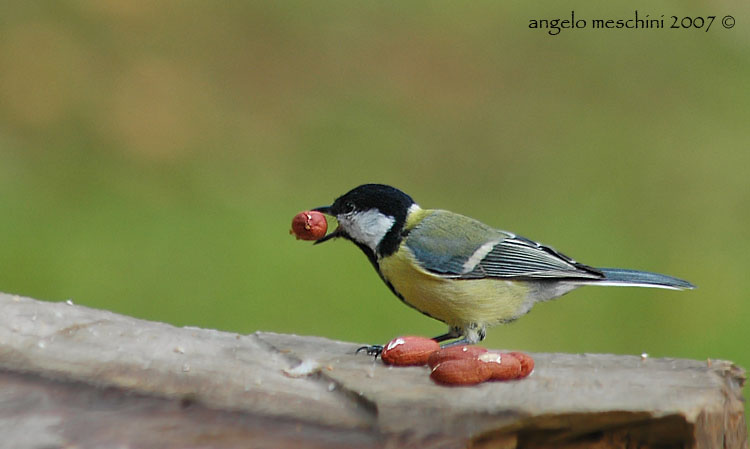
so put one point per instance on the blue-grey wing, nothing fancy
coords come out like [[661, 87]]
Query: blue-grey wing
[[518, 257], [444, 242], [457, 246]]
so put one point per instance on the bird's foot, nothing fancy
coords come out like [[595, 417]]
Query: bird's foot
[[374, 350]]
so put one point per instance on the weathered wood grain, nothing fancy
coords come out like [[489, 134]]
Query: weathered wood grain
[[79, 376]]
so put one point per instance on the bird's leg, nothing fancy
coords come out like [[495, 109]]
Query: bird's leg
[[470, 335], [454, 332], [376, 350]]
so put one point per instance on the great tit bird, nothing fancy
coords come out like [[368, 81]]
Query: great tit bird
[[458, 270]]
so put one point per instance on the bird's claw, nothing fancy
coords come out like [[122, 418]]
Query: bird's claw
[[374, 350]]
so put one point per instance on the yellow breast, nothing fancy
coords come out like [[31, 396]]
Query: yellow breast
[[456, 302]]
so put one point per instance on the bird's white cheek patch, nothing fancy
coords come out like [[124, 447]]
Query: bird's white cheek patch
[[367, 227]]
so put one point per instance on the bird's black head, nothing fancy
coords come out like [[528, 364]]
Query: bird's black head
[[388, 200], [372, 216]]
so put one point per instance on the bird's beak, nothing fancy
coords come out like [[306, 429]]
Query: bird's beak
[[323, 209], [336, 233]]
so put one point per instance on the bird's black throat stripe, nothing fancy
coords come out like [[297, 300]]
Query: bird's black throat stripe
[[392, 239], [368, 252]]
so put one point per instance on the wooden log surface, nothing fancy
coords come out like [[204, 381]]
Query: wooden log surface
[[80, 377]]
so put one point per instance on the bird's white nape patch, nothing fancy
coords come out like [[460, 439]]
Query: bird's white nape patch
[[478, 255], [367, 227], [412, 209]]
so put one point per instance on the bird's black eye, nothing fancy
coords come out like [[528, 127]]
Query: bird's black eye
[[348, 207]]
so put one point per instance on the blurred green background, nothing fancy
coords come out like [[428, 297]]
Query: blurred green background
[[152, 155]]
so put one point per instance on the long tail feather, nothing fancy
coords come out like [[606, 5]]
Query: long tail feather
[[635, 278]]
